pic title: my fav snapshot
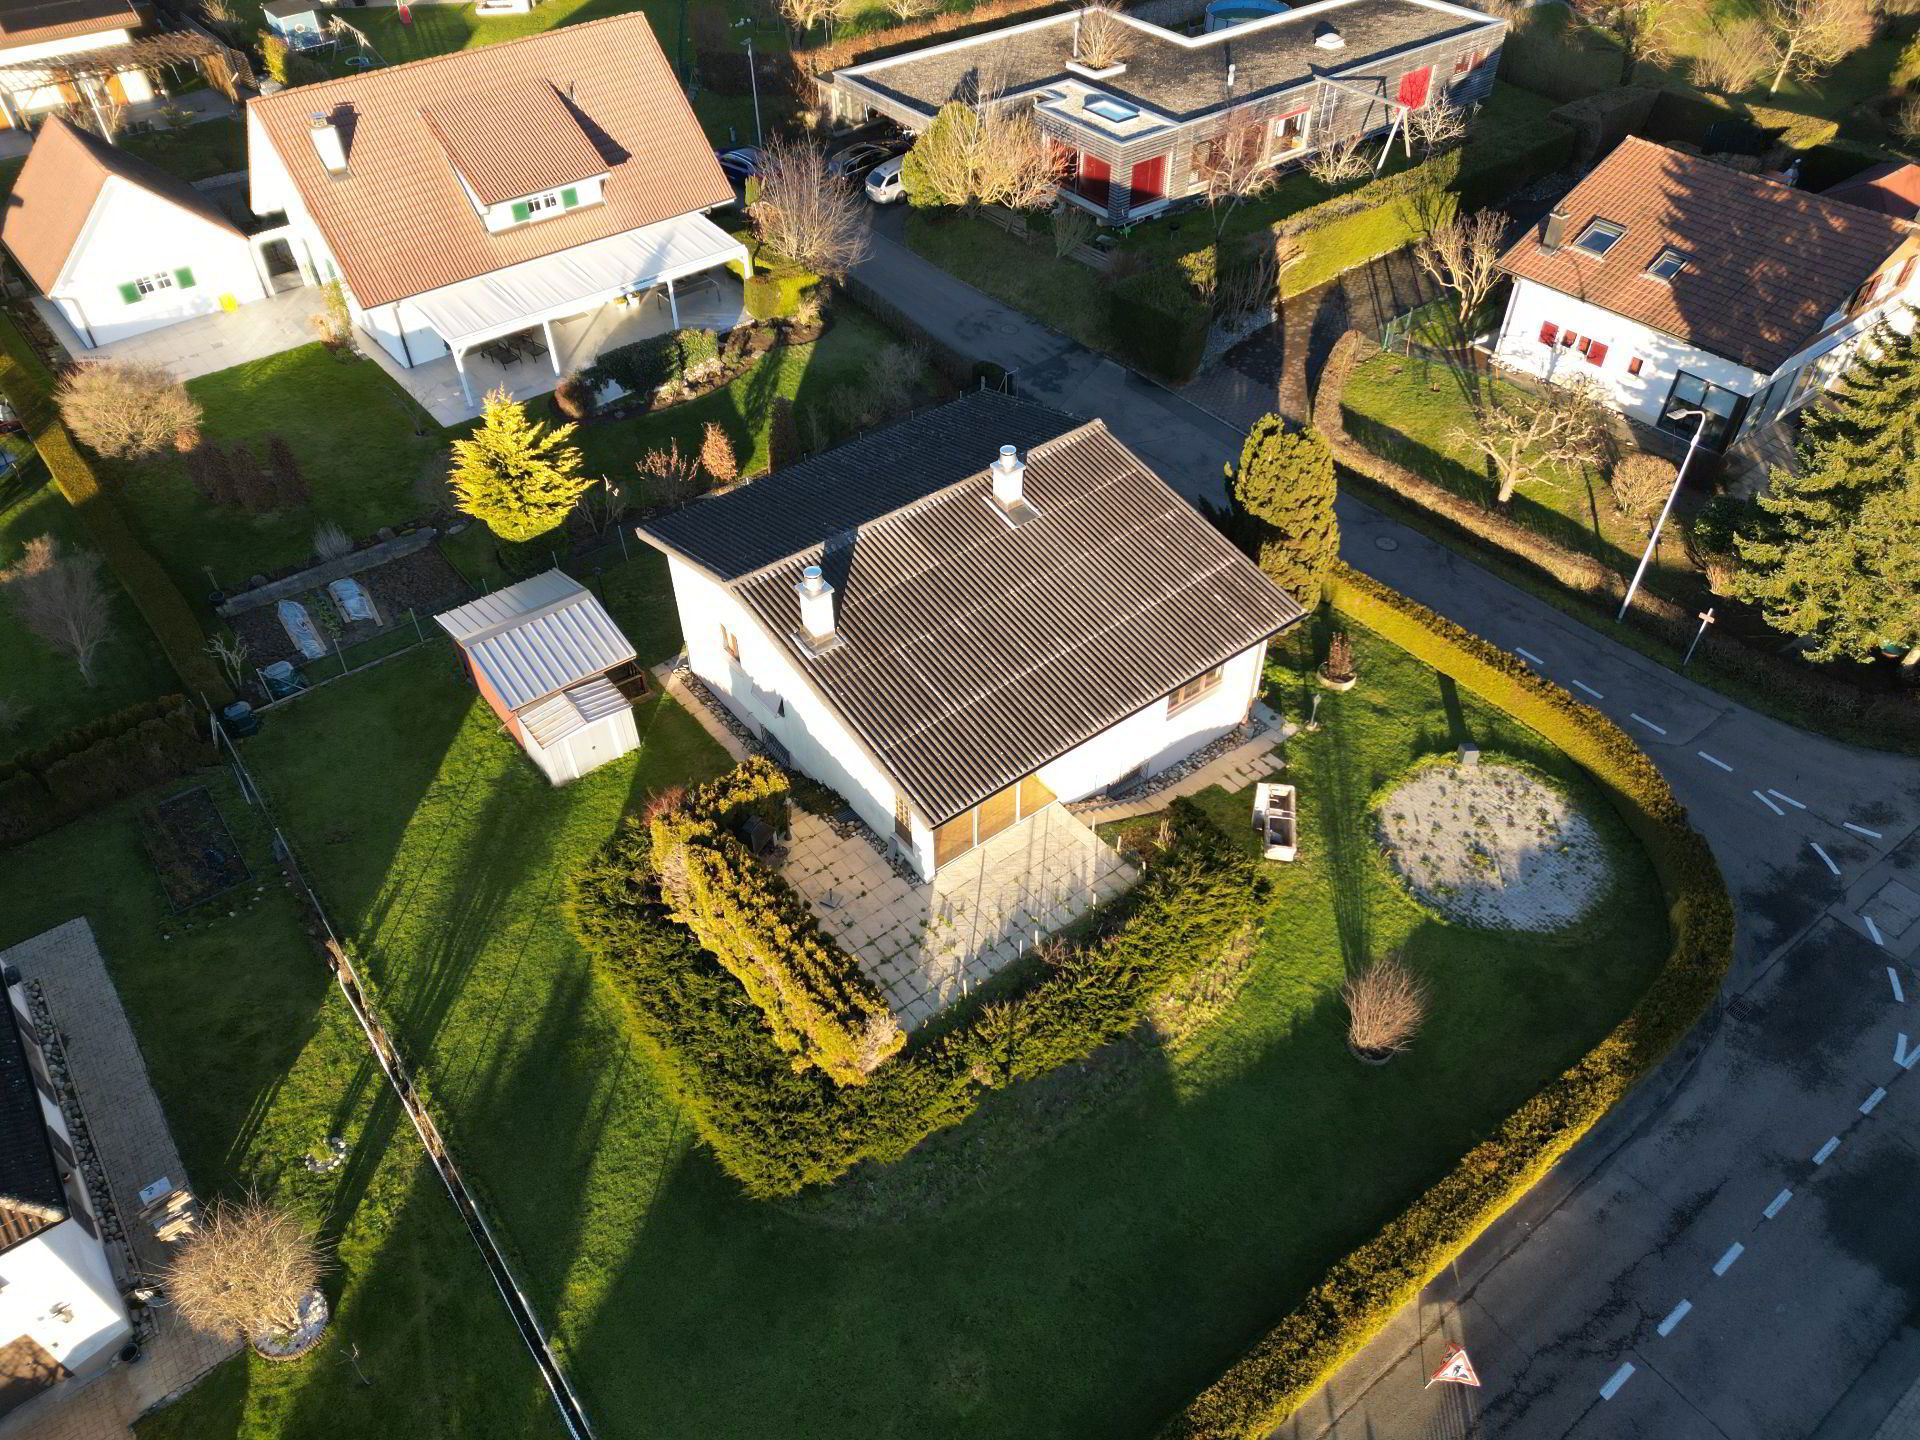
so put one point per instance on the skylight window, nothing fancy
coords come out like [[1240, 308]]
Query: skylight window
[[1108, 108], [1599, 237], [1667, 264]]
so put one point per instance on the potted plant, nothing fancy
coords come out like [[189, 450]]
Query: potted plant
[[1336, 671]]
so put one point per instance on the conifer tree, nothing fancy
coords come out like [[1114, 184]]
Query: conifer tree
[[514, 474], [1284, 486]]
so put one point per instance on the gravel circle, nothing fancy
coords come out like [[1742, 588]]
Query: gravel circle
[[1493, 845]]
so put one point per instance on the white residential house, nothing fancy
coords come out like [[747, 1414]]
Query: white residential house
[[117, 244], [1673, 283], [47, 34], [964, 617], [61, 1315]]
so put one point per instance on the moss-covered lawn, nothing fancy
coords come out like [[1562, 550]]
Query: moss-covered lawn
[[1118, 1233]]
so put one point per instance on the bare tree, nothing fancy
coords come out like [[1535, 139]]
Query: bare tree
[[1101, 38], [803, 15], [1386, 1006], [229, 652], [1249, 288], [1338, 161], [1907, 122], [805, 213], [1439, 126], [1734, 56], [1072, 228], [909, 9], [1233, 165], [1643, 29], [124, 410], [245, 1272], [1463, 255], [59, 597], [671, 477], [1812, 36], [1532, 439]]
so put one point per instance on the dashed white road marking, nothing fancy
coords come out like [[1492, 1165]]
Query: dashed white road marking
[[1912, 1055], [1828, 859], [1893, 979], [1620, 1377], [1528, 655], [1820, 1156], [1714, 760], [1862, 830], [1761, 797], [1782, 795], [1674, 1317], [1656, 729], [1582, 685], [1725, 1262], [1776, 1205], [1874, 931], [1900, 1049], [1879, 1094]]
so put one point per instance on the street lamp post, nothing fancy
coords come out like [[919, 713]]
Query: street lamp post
[[1653, 540], [753, 79]]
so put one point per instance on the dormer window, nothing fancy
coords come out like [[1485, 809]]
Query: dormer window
[[1599, 237], [536, 207], [1667, 264]]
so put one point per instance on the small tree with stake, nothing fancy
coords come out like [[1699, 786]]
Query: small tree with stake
[[247, 1271], [1338, 667]]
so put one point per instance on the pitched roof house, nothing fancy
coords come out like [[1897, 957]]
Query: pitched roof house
[[1134, 134], [36, 36], [960, 618], [517, 188], [119, 245], [1676, 284]]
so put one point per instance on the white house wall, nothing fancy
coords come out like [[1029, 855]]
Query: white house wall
[[63, 1266], [133, 232]]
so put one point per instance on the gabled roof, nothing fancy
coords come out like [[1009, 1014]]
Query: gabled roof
[[972, 652], [1892, 189], [515, 141], [1766, 264], [35, 22], [59, 185], [399, 223], [31, 1194], [537, 637]]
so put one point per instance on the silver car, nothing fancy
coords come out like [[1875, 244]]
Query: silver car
[[883, 181]]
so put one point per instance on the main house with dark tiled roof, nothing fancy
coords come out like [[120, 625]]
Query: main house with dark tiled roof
[[967, 616], [1675, 284], [1133, 135]]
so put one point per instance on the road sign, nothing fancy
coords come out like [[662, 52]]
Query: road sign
[[1456, 1370]]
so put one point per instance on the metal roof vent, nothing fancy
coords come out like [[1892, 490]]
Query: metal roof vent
[[1328, 37]]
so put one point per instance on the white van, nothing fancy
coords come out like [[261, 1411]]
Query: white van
[[883, 181]]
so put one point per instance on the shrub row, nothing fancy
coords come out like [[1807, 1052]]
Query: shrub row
[[821, 1007], [145, 744], [1692, 118], [778, 1129], [1158, 324], [158, 599], [1365, 1288]]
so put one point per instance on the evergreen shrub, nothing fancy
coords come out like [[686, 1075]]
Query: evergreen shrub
[[94, 764]]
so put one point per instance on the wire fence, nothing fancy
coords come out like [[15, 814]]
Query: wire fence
[[394, 1066]]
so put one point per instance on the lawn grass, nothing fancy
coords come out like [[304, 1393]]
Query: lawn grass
[[257, 1061], [1065, 294], [1408, 409], [1122, 1230], [194, 152]]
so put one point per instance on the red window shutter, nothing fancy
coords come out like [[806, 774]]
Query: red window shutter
[[1633, 366], [1095, 177], [1906, 273], [1584, 343], [1567, 337], [1413, 87], [1149, 181], [1549, 332], [1597, 354]]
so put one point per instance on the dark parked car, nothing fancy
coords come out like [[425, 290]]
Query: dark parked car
[[858, 158], [739, 162]]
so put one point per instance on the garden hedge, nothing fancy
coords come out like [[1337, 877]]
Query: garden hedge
[[1364, 1289], [778, 1129], [1158, 324], [159, 601], [90, 765], [1689, 116]]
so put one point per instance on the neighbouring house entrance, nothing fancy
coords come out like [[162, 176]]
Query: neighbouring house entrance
[[283, 271], [987, 819]]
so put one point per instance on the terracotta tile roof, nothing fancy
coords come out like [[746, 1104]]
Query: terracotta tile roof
[[515, 141], [57, 189], [1892, 189], [398, 221], [1766, 264], [34, 22]]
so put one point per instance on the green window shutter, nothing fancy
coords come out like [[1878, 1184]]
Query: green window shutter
[[183, 277], [520, 211], [569, 198], [130, 293]]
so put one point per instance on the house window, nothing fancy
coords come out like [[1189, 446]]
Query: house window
[[1116, 111], [1667, 264], [535, 206], [1148, 183], [148, 284], [1584, 343], [1468, 62], [1194, 689], [1567, 337], [1290, 132], [1597, 353], [903, 817], [730, 642], [1549, 332], [1691, 393], [997, 812], [1633, 365], [1599, 237]]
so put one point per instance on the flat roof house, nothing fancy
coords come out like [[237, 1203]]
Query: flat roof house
[[530, 192], [963, 617], [1131, 134], [1674, 283]]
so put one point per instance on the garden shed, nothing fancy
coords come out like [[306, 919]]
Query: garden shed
[[551, 663]]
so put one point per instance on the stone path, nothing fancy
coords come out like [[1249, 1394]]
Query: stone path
[[1246, 764], [130, 1132]]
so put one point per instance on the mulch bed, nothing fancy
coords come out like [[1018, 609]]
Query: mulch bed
[[424, 582], [191, 849]]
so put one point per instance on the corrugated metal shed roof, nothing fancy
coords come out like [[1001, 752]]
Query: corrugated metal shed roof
[[972, 652], [553, 719], [537, 637]]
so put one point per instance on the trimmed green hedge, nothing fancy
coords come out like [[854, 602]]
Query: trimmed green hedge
[[778, 1129], [158, 599], [84, 768], [1159, 324], [1363, 1291], [1689, 115]]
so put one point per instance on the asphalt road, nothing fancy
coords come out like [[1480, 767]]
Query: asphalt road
[[1731, 1253]]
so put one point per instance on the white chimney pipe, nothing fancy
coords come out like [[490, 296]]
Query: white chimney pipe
[[1009, 479], [328, 145], [816, 604]]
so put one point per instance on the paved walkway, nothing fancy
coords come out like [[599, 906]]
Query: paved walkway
[[205, 344], [130, 1132], [1248, 763]]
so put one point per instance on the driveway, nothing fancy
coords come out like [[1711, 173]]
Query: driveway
[[1728, 1255]]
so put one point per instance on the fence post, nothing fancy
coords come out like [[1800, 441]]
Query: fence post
[[414, 615]]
